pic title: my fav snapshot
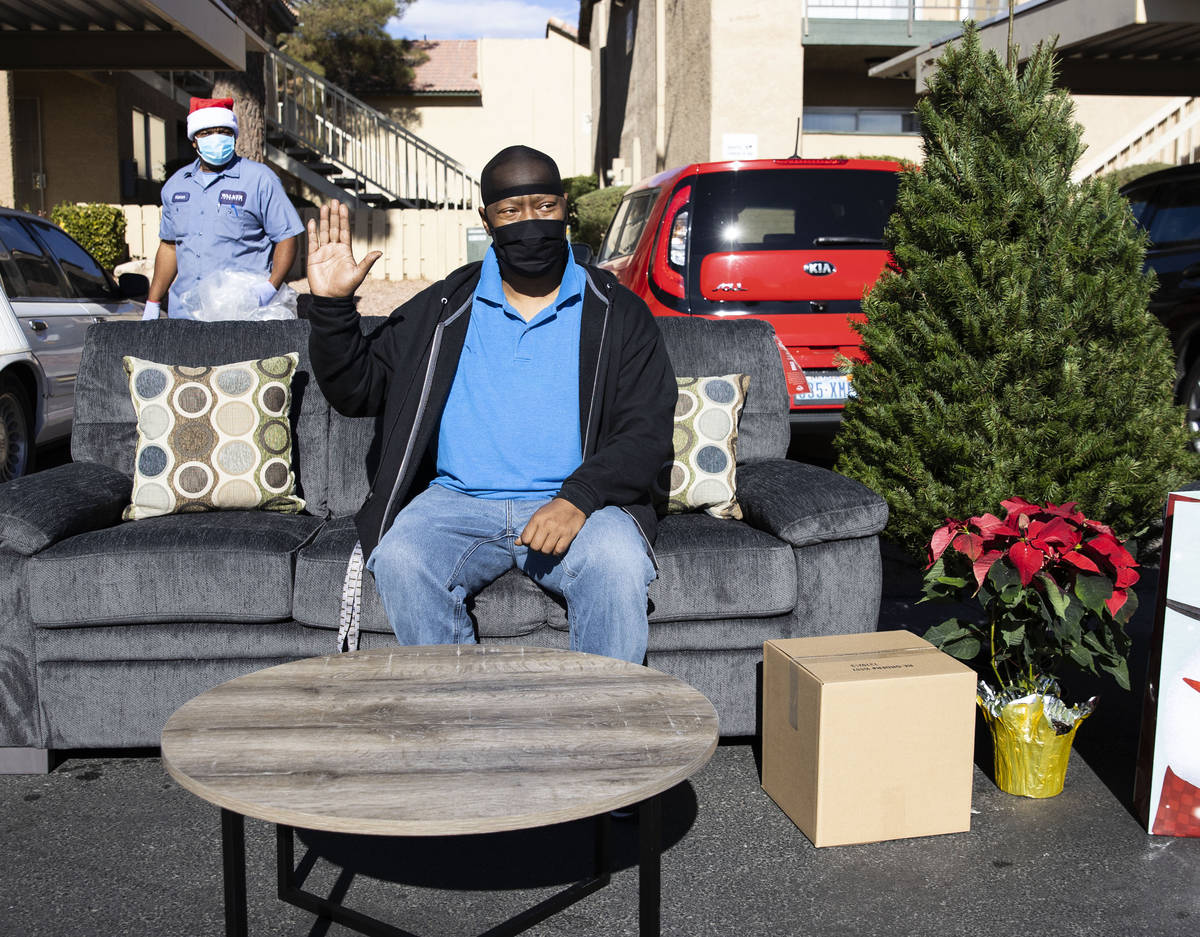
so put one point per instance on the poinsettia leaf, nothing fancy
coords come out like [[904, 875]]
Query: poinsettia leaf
[[1093, 591], [1057, 599], [1126, 577], [991, 526], [966, 648], [1079, 561], [1060, 533], [1083, 657], [1110, 548], [1066, 509], [955, 582], [970, 545], [1119, 670], [983, 565], [1026, 559], [1018, 506], [1122, 615], [1014, 636], [942, 538], [949, 630]]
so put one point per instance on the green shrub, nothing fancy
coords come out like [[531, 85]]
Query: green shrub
[[1128, 173], [596, 210], [1011, 349], [575, 188], [99, 228]]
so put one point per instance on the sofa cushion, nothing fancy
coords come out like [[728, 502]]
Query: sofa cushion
[[226, 566], [212, 438], [511, 606], [105, 425], [703, 474]]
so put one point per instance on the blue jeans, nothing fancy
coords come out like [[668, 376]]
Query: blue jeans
[[445, 546]]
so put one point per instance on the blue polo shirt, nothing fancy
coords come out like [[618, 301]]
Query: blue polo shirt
[[225, 220], [510, 428]]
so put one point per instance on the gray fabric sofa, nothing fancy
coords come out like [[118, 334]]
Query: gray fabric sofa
[[107, 626]]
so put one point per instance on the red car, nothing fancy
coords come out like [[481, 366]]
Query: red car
[[795, 242]]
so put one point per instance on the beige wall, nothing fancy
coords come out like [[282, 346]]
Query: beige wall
[[80, 131], [689, 81], [534, 91], [8, 195], [757, 73]]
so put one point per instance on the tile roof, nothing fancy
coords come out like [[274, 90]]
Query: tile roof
[[451, 66]]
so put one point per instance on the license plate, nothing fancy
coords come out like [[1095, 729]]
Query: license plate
[[825, 388]]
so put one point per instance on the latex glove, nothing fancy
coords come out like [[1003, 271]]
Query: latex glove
[[150, 312], [266, 292]]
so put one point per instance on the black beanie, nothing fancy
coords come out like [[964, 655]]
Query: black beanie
[[519, 170]]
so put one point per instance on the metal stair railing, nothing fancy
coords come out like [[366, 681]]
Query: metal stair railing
[[1170, 135], [361, 142]]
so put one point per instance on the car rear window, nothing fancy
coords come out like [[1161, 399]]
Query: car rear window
[[786, 209], [1173, 216]]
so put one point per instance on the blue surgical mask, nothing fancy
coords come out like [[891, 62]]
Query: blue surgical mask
[[216, 149]]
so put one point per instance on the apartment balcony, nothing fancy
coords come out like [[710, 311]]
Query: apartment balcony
[[890, 22]]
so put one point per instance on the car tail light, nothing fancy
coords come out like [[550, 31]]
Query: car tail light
[[670, 253]]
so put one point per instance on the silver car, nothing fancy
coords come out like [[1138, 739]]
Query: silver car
[[53, 290]]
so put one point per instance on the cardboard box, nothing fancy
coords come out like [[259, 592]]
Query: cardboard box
[[868, 737]]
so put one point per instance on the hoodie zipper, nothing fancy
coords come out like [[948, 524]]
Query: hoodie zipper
[[426, 384]]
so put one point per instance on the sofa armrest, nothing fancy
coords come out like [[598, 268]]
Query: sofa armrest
[[46, 507], [806, 504]]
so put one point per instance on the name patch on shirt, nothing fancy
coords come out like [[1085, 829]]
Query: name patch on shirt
[[181, 196], [232, 197]]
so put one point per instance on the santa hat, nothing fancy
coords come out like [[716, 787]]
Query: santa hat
[[210, 112]]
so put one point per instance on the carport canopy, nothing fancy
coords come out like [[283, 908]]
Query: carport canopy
[[1105, 46], [119, 35]]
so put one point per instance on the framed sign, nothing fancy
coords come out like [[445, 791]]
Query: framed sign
[[1167, 788]]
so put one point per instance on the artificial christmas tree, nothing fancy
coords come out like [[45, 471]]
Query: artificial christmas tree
[[1011, 350]]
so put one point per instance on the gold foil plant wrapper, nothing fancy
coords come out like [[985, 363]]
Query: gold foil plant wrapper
[[1033, 733]]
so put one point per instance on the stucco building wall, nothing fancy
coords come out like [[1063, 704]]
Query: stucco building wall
[[533, 91], [7, 181]]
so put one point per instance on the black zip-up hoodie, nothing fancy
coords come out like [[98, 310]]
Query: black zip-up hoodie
[[405, 368]]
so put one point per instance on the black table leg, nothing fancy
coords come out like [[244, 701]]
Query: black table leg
[[233, 858], [649, 868]]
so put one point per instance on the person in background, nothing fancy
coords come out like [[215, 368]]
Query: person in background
[[529, 405], [221, 212]]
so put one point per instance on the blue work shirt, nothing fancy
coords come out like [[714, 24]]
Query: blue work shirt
[[225, 220], [510, 428]]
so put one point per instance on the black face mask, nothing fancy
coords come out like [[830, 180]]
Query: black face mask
[[532, 248]]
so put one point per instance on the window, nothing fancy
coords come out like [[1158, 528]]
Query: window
[[36, 271], [627, 226], [86, 277], [885, 121], [149, 146], [1176, 217]]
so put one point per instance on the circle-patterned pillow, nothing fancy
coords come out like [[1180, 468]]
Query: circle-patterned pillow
[[702, 475], [212, 438]]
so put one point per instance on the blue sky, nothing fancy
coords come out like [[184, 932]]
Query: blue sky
[[480, 19]]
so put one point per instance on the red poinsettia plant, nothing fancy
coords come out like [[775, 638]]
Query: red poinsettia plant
[[1054, 586]]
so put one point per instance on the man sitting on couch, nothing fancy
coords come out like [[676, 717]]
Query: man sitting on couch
[[526, 409]]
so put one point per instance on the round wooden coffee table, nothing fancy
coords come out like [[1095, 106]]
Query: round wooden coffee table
[[439, 741]]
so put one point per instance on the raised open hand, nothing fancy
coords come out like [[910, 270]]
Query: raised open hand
[[331, 267]]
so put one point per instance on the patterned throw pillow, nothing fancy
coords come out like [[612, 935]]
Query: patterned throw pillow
[[212, 439], [701, 478]]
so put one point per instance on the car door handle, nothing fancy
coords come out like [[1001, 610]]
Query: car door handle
[[99, 319], [38, 325]]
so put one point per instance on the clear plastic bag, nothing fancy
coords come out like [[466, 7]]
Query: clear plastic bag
[[233, 294]]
